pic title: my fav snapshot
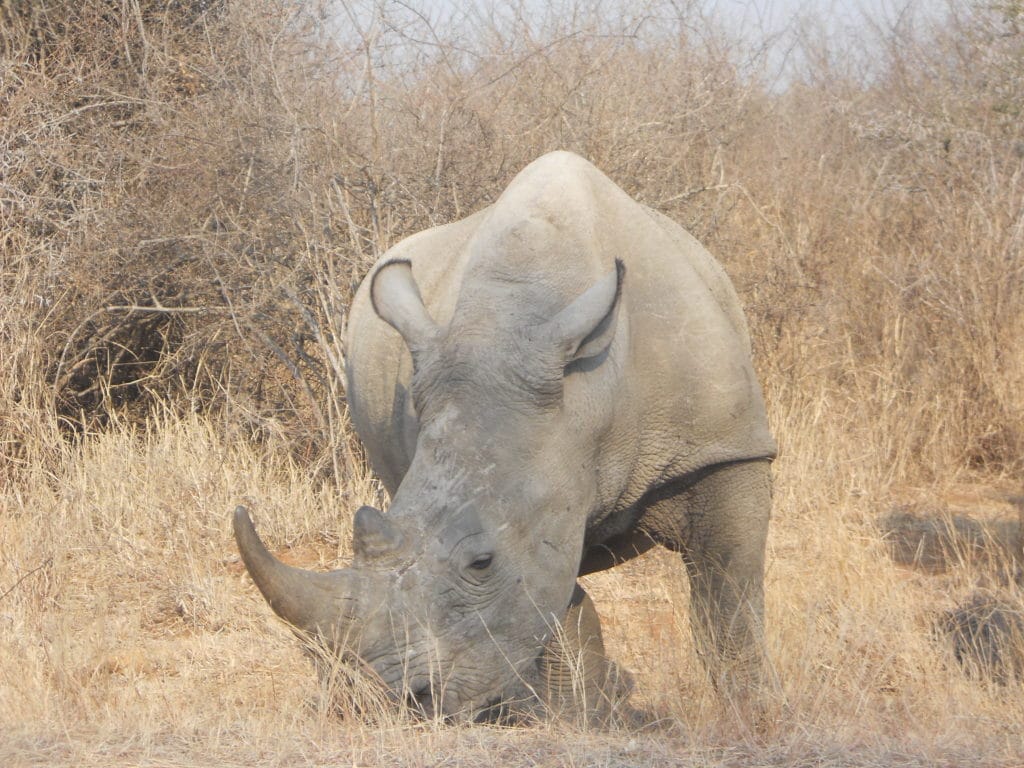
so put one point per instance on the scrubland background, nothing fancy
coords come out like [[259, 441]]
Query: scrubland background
[[191, 189]]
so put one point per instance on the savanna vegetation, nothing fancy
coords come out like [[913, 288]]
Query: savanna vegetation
[[190, 190]]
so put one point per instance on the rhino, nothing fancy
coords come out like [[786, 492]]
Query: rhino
[[546, 388]]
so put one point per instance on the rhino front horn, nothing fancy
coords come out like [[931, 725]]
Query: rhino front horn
[[322, 604], [373, 534]]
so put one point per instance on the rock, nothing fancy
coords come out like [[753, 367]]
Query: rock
[[987, 635]]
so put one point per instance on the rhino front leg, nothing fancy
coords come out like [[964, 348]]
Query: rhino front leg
[[720, 524], [729, 511], [577, 677]]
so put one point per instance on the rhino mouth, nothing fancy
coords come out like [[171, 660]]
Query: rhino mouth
[[424, 700], [423, 705], [497, 711]]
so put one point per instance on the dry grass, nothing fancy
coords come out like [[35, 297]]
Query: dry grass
[[188, 192]]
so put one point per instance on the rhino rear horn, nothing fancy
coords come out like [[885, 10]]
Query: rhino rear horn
[[373, 534], [321, 604]]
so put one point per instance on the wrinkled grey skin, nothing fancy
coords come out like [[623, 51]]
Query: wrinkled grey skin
[[546, 388]]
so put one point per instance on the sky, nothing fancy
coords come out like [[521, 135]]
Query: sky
[[784, 19], [780, 22], [774, 15], [837, 21]]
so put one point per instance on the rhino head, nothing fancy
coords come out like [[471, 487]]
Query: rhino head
[[452, 595]]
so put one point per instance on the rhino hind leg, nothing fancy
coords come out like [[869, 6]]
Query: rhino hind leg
[[577, 678]]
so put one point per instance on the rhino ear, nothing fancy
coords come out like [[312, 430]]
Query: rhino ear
[[586, 327], [396, 300]]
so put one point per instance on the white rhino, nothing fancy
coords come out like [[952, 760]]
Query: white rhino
[[546, 388]]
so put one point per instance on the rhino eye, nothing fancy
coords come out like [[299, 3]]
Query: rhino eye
[[482, 563]]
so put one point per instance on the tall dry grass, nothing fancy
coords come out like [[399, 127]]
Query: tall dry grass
[[190, 192]]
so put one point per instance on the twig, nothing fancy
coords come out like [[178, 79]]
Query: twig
[[39, 567], [162, 309]]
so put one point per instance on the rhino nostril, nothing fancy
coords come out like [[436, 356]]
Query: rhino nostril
[[421, 699], [422, 693]]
